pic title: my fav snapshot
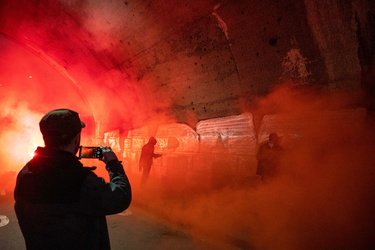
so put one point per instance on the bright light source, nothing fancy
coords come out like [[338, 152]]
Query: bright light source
[[32, 153]]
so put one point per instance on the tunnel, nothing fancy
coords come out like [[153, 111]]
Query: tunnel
[[210, 80]]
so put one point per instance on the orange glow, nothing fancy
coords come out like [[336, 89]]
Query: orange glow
[[23, 138], [29, 87], [326, 182], [25, 102], [323, 195], [32, 153]]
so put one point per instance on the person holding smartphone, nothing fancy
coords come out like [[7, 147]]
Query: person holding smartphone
[[59, 203]]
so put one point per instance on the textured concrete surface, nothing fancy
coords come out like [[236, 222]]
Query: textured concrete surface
[[203, 59]]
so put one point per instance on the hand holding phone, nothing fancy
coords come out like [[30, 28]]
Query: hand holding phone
[[90, 152], [102, 153], [108, 154]]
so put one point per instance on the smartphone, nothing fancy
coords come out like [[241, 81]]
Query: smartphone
[[90, 152]]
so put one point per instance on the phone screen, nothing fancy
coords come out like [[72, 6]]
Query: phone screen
[[89, 152]]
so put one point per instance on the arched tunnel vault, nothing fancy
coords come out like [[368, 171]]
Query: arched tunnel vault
[[186, 62], [211, 79]]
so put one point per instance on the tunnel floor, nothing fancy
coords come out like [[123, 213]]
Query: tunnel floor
[[132, 229]]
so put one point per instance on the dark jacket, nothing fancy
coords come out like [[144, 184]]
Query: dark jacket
[[62, 205]]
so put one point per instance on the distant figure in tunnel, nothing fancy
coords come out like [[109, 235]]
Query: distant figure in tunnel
[[269, 156], [60, 204], [147, 158]]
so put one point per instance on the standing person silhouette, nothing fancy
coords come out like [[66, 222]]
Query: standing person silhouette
[[147, 158], [268, 157], [60, 204]]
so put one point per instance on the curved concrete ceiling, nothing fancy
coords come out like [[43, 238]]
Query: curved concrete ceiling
[[185, 61]]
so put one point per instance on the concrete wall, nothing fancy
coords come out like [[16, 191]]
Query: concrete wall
[[196, 60]]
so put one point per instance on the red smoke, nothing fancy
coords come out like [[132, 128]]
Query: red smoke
[[322, 199], [29, 87]]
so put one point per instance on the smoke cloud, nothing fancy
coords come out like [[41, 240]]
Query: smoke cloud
[[322, 198], [29, 87]]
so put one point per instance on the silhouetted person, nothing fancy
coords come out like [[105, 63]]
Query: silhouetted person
[[268, 157], [59, 203], [147, 158]]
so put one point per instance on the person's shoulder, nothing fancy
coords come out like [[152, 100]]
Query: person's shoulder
[[91, 179], [87, 172]]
